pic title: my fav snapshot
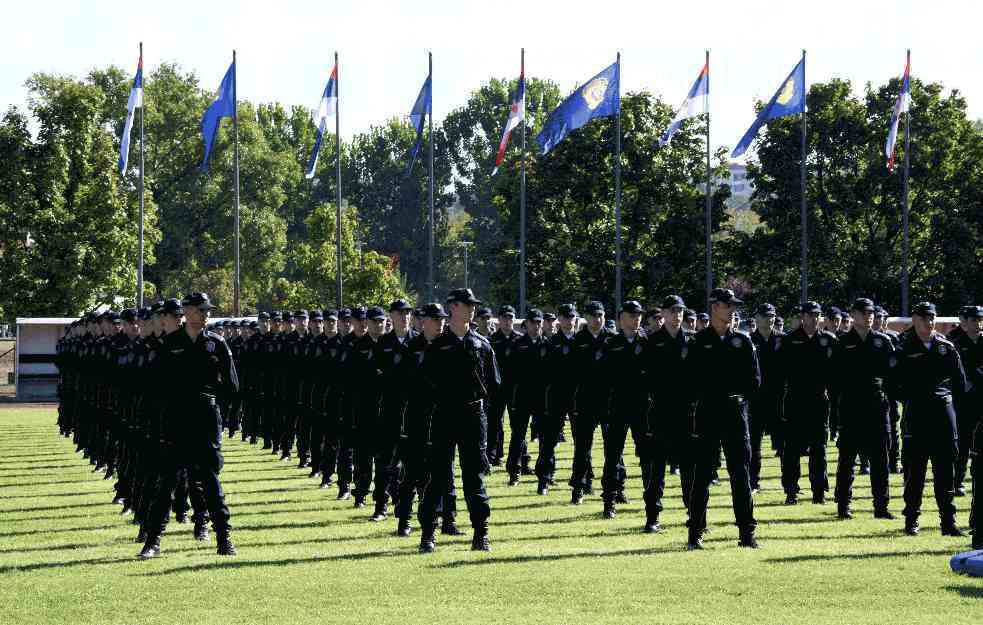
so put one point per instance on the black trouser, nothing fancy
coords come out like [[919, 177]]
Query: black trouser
[[875, 446], [806, 433], [942, 453], [414, 477], [560, 403], [976, 506], [667, 448], [373, 464], [305, 426], [966, 419], [615, 437], [496, 423], [582, 472], [188, 485], [763, 415], [722, 422], [465, 427], [519, 419]]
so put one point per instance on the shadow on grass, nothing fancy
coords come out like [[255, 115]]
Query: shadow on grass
[[240, 563], [68, 507], [61, 530], [823, 557], [560, 556], [37, 566], [967, 590]]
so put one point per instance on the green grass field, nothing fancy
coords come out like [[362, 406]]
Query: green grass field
[[67, 556]]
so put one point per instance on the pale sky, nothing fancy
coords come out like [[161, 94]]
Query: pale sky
[[285, 49]]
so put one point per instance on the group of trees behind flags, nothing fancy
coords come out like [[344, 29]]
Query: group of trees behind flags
[[68, 239]]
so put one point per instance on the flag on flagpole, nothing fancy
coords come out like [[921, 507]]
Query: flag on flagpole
[[788, 100], [135, 101], [694, 104], [327, 108], [418, 115], [517, 113], [224, 105], [598, 97], [903, 105]]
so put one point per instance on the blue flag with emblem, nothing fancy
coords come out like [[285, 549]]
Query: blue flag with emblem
[[788, 100], [598, 97], [224, 105]]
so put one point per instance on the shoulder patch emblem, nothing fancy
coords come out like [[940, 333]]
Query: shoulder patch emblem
[[683, 352], [566, 350], [736, 341], [397, 358], [878, 342], [210, 346], [942, 349], [823, 342]]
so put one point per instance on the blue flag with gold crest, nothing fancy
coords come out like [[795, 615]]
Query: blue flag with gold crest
[[788, 100], [598, 97]]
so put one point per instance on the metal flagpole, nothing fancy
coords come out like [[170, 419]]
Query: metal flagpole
[[709, 215], [617, 199], [522, 197], [337, 142], [430, 189], [905, 277], [143, 104], [805, 232], [235, 155]]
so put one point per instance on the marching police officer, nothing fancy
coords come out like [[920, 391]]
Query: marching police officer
[[461, 369], [724, 364], [766, 403], [672, 412], [198, 369], [808, 378], [966, 338], [527, 363], [503, 341], [561, 361], [590, 398], [863, 360], [929, 377]]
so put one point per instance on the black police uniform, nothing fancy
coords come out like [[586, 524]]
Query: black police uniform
[[590, 405], [671, 419], [503, 343], [765, 406], [928, 378], [463, 373], [809, 381], [968, 407], [726, 371], [864, 365], [627, 364], [528, 366], [561, 363], [199, 374]]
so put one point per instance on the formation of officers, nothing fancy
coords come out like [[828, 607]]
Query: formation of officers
[[382, 402]]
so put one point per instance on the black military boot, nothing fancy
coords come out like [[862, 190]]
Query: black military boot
[[819, 498], [315, 472], [181, 517], [949, 528], [359, 501], [652, 525], [428, 539], [225, 546], [479, 542], [141, 535], [791, 499], [883, 513], [303, 463], [911, 527], [449, 528], [843, 512], [747, 538], [621, 497], [527, 470], [543, 488], [513, 479], [695, 541], [577, 497], [201, 530], [343, 492], [151, 548], [380, 512], [609, 510], [403, 528]]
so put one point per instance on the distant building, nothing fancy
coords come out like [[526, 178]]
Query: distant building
[[740, 187]]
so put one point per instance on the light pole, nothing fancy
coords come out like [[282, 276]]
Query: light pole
[[465, 245]]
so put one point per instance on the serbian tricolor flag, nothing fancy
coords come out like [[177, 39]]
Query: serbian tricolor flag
[[516, 114], [326, 109], [135, 101], [694, 104], [903, 105]]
